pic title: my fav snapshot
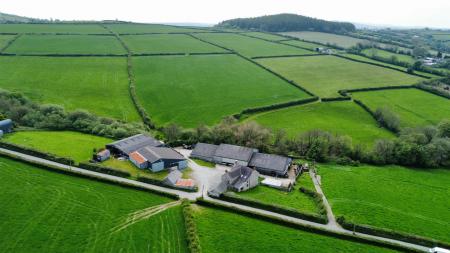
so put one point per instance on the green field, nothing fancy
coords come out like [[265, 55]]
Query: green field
[[66, 44], [135, 172], [96, 84], [190, 90], [266, 36], [326, 38], [343, 118], [443, 36], [250, 47], [53, 28], [409, 200], [80, 145], [4, 39], [413, 106], [168, 43], [388, 55], [221, 231], [44, 211], [149, 28], [303, 44], [326, 75], [294, 199]]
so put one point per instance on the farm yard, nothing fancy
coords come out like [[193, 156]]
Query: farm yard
[[53, 28], [217, 86], [413, 106], [343, 118], [66, 44], [222, 231], [250, 47], [393, 197], [326, 38], [89, 83], [326, 75], [168, 43], [44, 211]]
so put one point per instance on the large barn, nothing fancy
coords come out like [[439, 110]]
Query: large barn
[[128, 145], [232, 154], [272, 165], [157, 158]]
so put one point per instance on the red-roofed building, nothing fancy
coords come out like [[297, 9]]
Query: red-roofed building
[[137, 159]]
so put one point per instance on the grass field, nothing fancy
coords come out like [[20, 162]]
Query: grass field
[[94, 84], [44, 211], [326, 38], [294, 199], [148, 28], [54, 142], [443, 36], [133, 170], [4, 40], [168, 43], [66, 44], [325, 75], [409, 200], [190, 90], [413, 106], [303, 44], [53, 28], [388, 55], [222, 231], [250, 47], [266, 36], [343, 118]]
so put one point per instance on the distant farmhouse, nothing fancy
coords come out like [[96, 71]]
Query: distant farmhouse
[[6, 126], [239, 178], [267, 164]]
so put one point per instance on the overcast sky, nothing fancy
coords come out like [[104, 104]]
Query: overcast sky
[[430, 13]]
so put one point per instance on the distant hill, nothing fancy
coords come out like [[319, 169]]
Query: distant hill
[[287, 23], [8, 18]]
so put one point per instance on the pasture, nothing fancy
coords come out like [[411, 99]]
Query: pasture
[[193, 90], [4, 39], [149, 28], [442, 36], [393, 197], [414, 107], [266, 36], [66, 44], [53, 28], [388, 55], [77, 146], [96, 84], [343, 118], [45, 211], [222, 231], [326, 38], [304, 44], [250, 47], [326, 75], [168, 43]]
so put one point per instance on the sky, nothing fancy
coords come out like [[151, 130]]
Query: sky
[[409, 13]]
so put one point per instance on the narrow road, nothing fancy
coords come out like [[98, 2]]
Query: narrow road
[[193, 196], [331, 219]]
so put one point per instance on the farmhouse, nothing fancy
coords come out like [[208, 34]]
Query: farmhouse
[[131, 144], [157, 158], [232, 154], [239, 178], [6, 126], [273, 165], [204, 151]]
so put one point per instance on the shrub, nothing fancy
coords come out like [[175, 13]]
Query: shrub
[[191, 228]]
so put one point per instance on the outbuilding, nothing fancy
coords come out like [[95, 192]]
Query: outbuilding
[[272, 165], [204, 151], [102, 156], [232, 154], [131, 144], [158, 158], [6, 126]]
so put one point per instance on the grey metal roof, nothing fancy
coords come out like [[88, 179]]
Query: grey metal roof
[[235, 152], [173, 177], [153, 154], [134, 143], [275, 163], [239, 175], [204, 150]]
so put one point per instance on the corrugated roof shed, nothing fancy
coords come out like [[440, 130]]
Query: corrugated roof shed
[[138, 157], [274, 163], [173, 177], [204, 150], [153, 154], [235, 152], [134, 143]]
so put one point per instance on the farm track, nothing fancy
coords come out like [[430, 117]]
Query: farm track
[[193, 196]]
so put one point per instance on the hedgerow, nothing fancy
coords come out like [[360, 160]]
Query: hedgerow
[[193, 240]]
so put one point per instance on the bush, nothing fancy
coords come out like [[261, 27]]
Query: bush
[[388, 119], [191, 228]]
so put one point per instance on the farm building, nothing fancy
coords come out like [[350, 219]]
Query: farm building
[[239, 178], [131, 144], [6, 126], [204, 151], [232, 154], [273, 165], [102, 155], [173, 177], [157, 158]]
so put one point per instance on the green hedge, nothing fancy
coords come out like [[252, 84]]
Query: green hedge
[[37, 153], [191, 227], [67, 55], [302, 227], [230, 197], [286, 56], [317, 198], [395, 87], [345, 98], [161, 183], [104, 170], [387, 233], [433, 91], [9, 43]]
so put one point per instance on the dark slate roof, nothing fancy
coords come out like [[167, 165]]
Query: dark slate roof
[[173, 177], [274, 163], [235, 152], [153, 154], [134, 143], [239, 175], [204, 150]]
